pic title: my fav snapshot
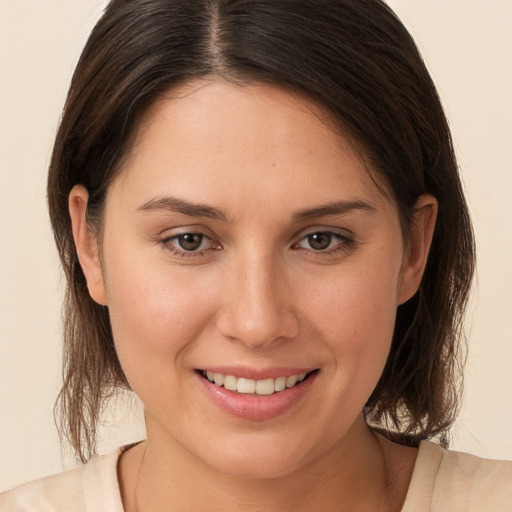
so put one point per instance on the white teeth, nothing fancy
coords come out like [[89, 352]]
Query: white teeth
[[246, 386], [230, 382], [265, 387], [280, 384], [251, 386], [291, 381]]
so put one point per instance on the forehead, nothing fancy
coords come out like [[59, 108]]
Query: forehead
[[201, 105], [211, 136]]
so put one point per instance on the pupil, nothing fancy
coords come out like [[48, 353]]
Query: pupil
[[190, 241], [319, 241]]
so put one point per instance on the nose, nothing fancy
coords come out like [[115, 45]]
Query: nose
[[258, 307]]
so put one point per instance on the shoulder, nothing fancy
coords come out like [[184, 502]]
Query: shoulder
[[89, 488], [52, 493], [449, 480]]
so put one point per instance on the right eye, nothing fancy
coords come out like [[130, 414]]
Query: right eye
[[318, 241], [191, 241], [188, 244], [324, 242]]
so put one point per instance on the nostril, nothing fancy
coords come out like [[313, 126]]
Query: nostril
[[257, 327]]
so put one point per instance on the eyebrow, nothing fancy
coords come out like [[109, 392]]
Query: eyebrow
[[174, 204], [336, 208]]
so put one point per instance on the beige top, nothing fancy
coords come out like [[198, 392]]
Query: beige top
[[442, 481]]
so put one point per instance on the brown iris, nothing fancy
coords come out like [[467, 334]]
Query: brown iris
[[190, 241], [319, 241]]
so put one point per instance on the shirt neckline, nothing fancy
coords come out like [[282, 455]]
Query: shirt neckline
[[102, 491]]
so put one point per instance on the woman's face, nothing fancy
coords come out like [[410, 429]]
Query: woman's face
[[244, 240]]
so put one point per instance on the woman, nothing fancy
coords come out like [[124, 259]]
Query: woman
[[258, 211]]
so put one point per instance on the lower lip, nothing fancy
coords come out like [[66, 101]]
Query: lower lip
[[257, 407]]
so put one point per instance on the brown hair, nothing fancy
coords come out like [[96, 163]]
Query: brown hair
[[353, 57]]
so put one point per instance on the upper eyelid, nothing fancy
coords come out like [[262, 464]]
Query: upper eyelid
[[303, 233], [343, 237], [169, 233], [332, 231], [182, 233], [177, 235]]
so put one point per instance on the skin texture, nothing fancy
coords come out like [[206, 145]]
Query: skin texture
[[256, 295]]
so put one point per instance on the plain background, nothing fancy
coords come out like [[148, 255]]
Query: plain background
[[467, 46]]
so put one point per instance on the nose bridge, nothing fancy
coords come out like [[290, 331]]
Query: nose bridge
[[258, 309]]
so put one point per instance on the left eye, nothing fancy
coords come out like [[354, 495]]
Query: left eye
[[191, 242], [321, 241]]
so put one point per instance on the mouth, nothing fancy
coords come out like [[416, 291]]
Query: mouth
[[264, 387]]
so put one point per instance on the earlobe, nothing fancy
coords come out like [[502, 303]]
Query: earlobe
[[86, 244], [415, 259]]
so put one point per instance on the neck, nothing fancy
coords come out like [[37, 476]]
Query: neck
[[360, 472]]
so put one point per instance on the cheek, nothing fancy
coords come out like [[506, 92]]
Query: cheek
[[156, 316], [355, 302], [356, 319]]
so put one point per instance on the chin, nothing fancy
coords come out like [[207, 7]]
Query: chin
[[258, 457], [259, 468]]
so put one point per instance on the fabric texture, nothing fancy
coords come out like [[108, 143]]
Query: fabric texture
[[442, 481]]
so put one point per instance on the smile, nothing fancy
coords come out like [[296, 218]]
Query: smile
[[251, 386]]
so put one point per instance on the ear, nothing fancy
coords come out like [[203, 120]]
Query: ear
[[86, 244], [415, 257]]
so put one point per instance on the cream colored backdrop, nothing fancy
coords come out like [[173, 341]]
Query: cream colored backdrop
[[467, 46]]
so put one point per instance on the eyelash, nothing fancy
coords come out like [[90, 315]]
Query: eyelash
[[345, 243], [170, 242]]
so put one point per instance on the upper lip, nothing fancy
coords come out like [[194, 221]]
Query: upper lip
[[257, 373]]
